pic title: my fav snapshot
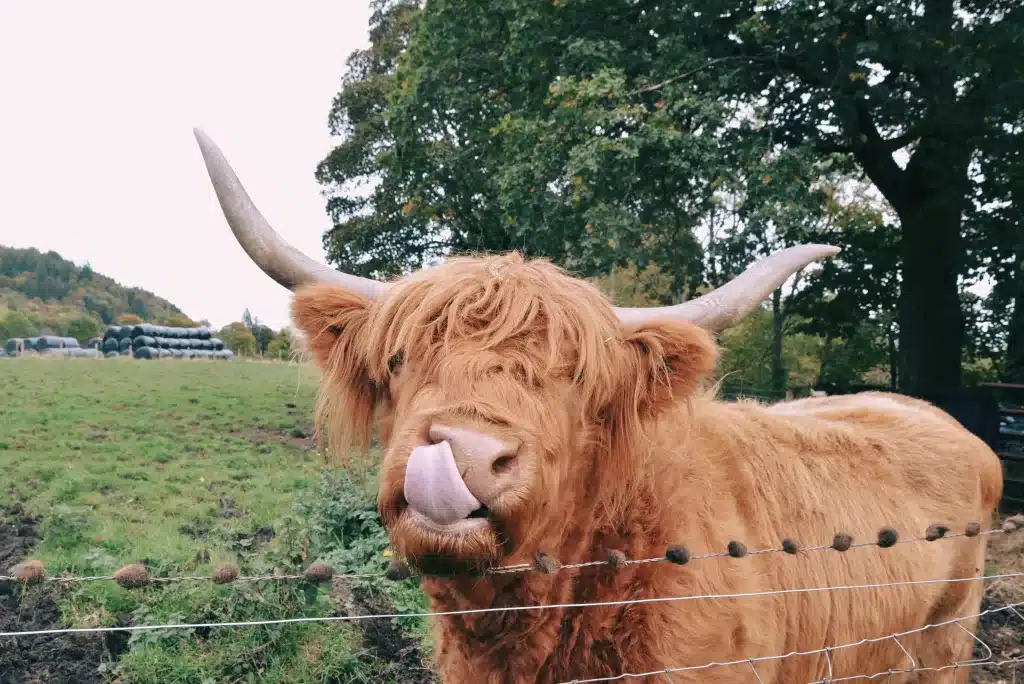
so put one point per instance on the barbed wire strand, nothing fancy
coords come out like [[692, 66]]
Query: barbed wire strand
[[828, 650], [506, 609], [736, 550]]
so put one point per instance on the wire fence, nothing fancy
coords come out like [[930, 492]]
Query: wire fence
[[1012, 608], [513, 609], [827, 651], [136, 576]]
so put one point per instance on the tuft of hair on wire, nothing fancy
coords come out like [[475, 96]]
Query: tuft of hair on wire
[[138, 575]]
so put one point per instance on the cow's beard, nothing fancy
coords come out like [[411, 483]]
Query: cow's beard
[[441, 553]]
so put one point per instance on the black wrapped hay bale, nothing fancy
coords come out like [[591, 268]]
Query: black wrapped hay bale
[[13, 346], [29, 343], [70, 352], [111, 354], [225, 354], [176, 353], [202, 332], [126, 333], [125, 345], [113, 331], [47, 342], [217, 343], [143, 341], [147, 353], [111, 345], [143, 329], [94, 343], [193, 342]]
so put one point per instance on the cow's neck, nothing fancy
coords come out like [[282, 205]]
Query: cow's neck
[[535, 643]]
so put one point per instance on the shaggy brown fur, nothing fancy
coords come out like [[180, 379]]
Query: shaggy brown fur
[[623, 450]]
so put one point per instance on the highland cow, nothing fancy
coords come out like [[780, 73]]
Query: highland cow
[[521, 414]]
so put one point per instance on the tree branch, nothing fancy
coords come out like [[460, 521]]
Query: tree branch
[[685, 74], [901, 141], [870, 148]]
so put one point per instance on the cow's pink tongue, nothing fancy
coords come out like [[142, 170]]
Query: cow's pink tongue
[[434, 487]]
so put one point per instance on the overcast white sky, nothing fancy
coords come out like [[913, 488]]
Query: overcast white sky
[[97, 157]]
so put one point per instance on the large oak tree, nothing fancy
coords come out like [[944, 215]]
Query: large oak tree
[[598, 131]]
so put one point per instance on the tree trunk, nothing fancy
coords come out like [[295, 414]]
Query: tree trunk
[[778, 371], [894, 359], [931, 320], [1013, 368]]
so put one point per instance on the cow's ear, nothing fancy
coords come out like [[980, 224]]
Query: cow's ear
[[333, 321], [670, 359]]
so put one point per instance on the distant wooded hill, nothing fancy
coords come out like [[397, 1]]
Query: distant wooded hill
[[44, 293]]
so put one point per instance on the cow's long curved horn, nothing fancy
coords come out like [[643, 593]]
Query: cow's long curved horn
[[725, 306], [278, 259]]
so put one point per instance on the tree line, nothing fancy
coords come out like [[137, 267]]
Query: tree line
[[668, 146], [41, 293]]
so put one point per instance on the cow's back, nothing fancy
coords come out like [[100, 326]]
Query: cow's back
[[808, 470]]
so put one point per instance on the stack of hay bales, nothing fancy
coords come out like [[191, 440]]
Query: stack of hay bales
[[117, 340], [48, 345], [139, 341], [156, 342]]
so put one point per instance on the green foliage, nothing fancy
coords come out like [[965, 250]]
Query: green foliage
[[17, 324], [343, 528], [280, 346], [57, 297], [262, 334], [238, 338], [82, 328], [603, 133], [180, 320], [746, 363]]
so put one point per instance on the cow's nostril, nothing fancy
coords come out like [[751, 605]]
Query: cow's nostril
[[436, 435], [502, 464]]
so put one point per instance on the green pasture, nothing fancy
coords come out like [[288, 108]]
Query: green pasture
[[183, 465]]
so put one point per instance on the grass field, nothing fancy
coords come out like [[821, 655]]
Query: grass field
[[182, 465]]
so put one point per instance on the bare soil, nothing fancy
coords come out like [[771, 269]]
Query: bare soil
[[49, 659], [386, 646], [1002, 631]]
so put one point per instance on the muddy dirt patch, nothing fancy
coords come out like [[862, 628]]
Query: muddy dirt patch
[[53, 659], [1002, 631], [298, 437], [387, 646]]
